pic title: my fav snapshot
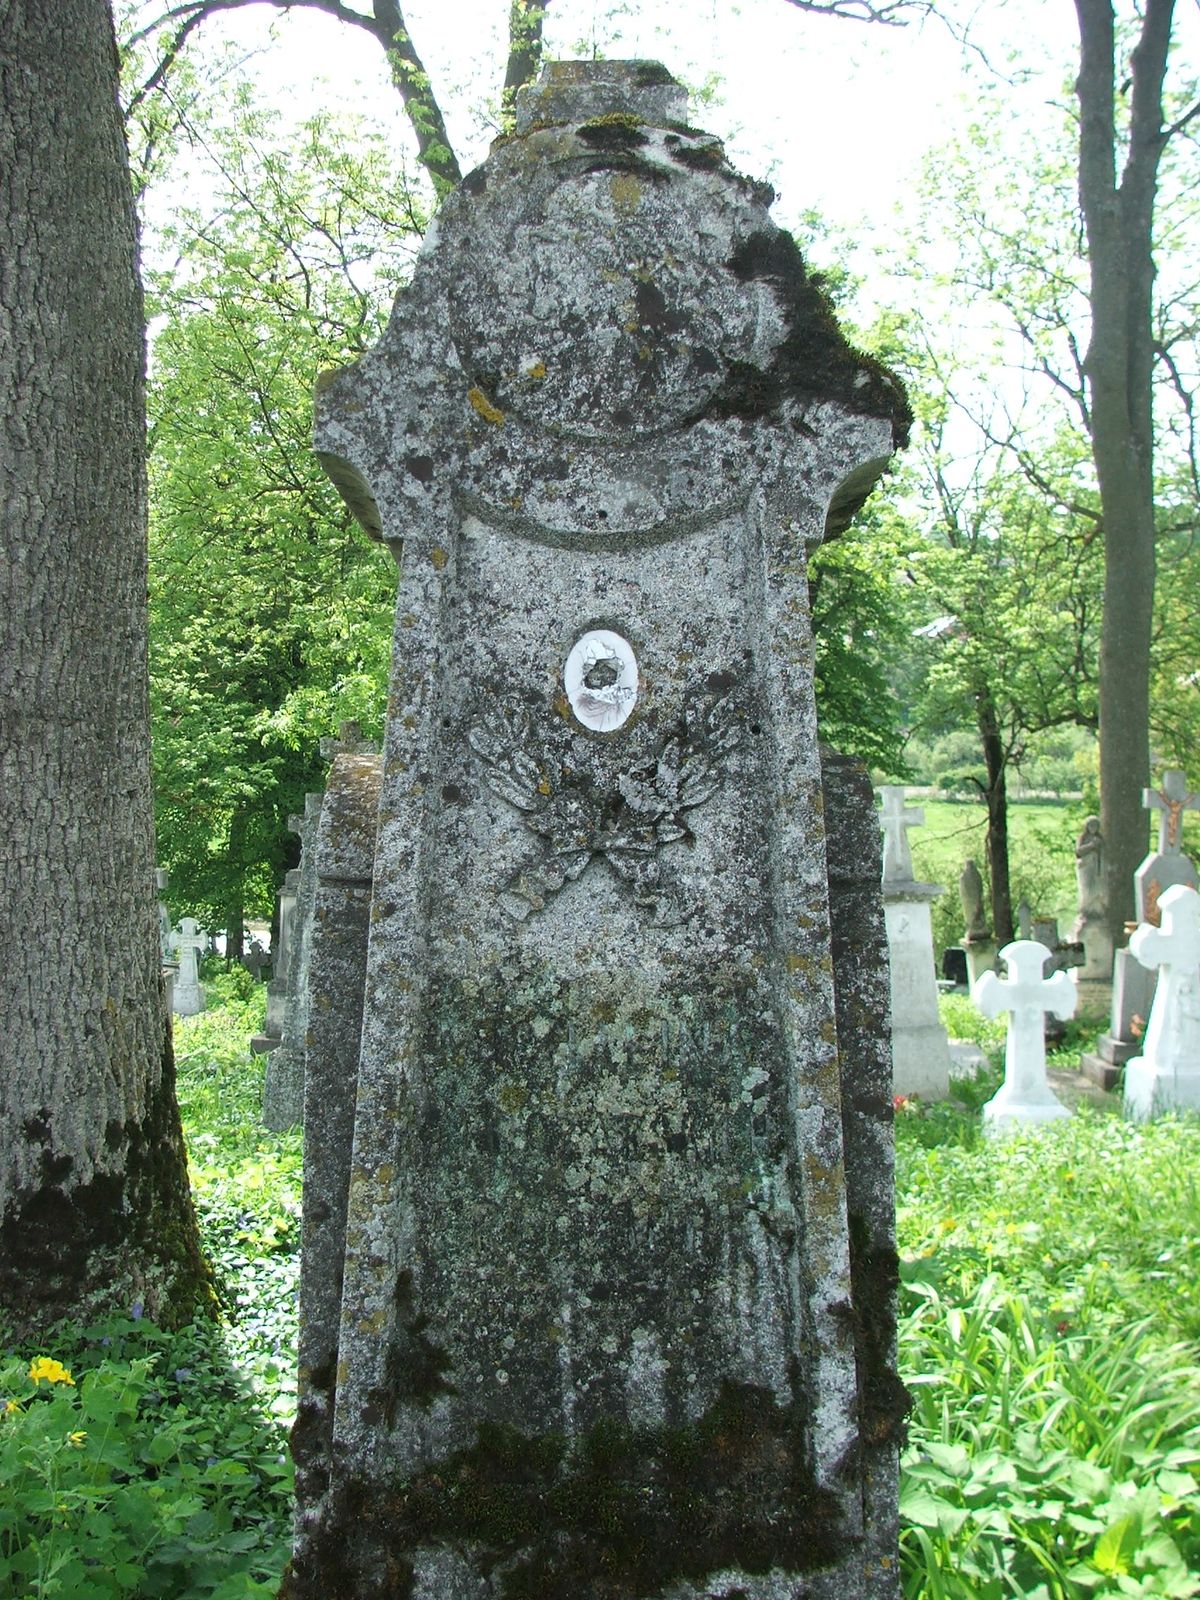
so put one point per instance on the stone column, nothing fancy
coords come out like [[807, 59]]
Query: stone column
[[599, 1272], [920, 1049]]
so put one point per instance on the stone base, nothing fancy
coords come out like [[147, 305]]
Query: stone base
[[1004, 1113], [1105, 1074], [262, 1043], [1154, 1091], [188, 1000], [966, 1057], [981, 958], [921, 1062]]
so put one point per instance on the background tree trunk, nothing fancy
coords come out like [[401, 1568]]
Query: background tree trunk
[[1119, 367], [95, 1210], [996, 795]]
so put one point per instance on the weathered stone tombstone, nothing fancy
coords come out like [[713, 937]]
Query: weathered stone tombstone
[[1027, 996], [920, 1049], [188, 996], [978, 943], [1166, 1075], [1133, 984], [1167, 866], [283, 1085], [281, 954], [598, 1279]]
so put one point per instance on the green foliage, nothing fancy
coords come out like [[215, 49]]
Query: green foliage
[[1051, 1308], [270, 612], [137, 1470]]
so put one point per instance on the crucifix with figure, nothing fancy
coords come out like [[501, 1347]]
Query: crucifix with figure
[[1167, 866]]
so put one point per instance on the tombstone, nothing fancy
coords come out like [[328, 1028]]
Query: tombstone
[[920, 1050], [283, 1085], [1133, 984], [348, 741], [165, 937], [1027, 995], [598, 1278], [1024, 919], [954, 966], [1166, 1075], [1167, 866], [277, 990], [978, 943], [188, 997], [256, 959]]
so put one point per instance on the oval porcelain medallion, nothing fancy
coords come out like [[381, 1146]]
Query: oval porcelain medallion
[[601, 680]]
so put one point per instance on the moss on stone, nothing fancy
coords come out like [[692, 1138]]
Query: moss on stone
[[621, 1512]]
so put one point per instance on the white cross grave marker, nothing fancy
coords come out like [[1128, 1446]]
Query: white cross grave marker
[[1166, 1076], [895, 820], [189, 997], [1025, 1096]]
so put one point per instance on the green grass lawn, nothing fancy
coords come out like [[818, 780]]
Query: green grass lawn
[[1050, 1329]]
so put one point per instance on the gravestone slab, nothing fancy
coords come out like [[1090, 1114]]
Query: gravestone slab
[[920, 1049], [599, 1273], [283, 1089], [1167, 866], [281, 954], [1166, 1075], [187, 996], [1025, 1096]]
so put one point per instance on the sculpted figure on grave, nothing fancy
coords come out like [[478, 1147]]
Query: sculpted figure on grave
[[970, 888], [1089, 874]]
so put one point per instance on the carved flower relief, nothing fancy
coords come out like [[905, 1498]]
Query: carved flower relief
[[622, 813]]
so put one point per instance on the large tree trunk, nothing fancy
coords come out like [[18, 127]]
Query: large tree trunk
[[94, 1204], [996, 795], [1119, 365]]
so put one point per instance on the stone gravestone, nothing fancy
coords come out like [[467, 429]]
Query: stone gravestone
[[1167, 866], [165, 938], [281, 954], [978, 943], [1027, 995], [188, 997], [1094, 978], [1132, 983], [283, 1087], [1166, 1075], [920, 1049], [598, 1280]]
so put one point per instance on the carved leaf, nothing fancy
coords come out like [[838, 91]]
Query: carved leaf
[[511, 773]]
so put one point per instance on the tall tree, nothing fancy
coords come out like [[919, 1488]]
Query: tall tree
[[1118, 211], [94, 1203]]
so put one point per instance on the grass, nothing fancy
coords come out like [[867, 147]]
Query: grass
[[1049, 1334]]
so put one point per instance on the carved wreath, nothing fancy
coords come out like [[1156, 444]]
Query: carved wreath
[[578, 816]]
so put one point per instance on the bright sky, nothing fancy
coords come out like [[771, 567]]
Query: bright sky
[[836, 114]]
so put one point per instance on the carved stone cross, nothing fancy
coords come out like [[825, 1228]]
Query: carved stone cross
[[895, 820], [1166, 1076], [1171, 801], [1025, 1095]]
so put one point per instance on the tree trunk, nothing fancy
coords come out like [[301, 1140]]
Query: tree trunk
[[95, 1211], [997, 804], [1119, 366], [235, 905]]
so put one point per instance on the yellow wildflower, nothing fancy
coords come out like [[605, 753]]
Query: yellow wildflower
[[78, 1438], [52, 1371], [10, 1406]]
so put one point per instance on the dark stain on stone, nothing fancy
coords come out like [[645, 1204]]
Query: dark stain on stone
[[419, 467], [612, 133], [475, 183], [452, 795]]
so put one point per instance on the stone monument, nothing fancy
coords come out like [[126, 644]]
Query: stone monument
[[281, 953], [920, 1049], [283, 1085], [598, 1284], [1132, 983], [978, 943], [188, 998], [1166, 1075], [1025, 1096]]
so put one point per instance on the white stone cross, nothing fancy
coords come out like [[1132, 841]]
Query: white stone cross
[[895, 820], [188, 942], [1171, 801], [1025, 1096], [1166, 1076]]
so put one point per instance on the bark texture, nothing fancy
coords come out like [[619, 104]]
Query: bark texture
[[94, 1204], [1119, 217]]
